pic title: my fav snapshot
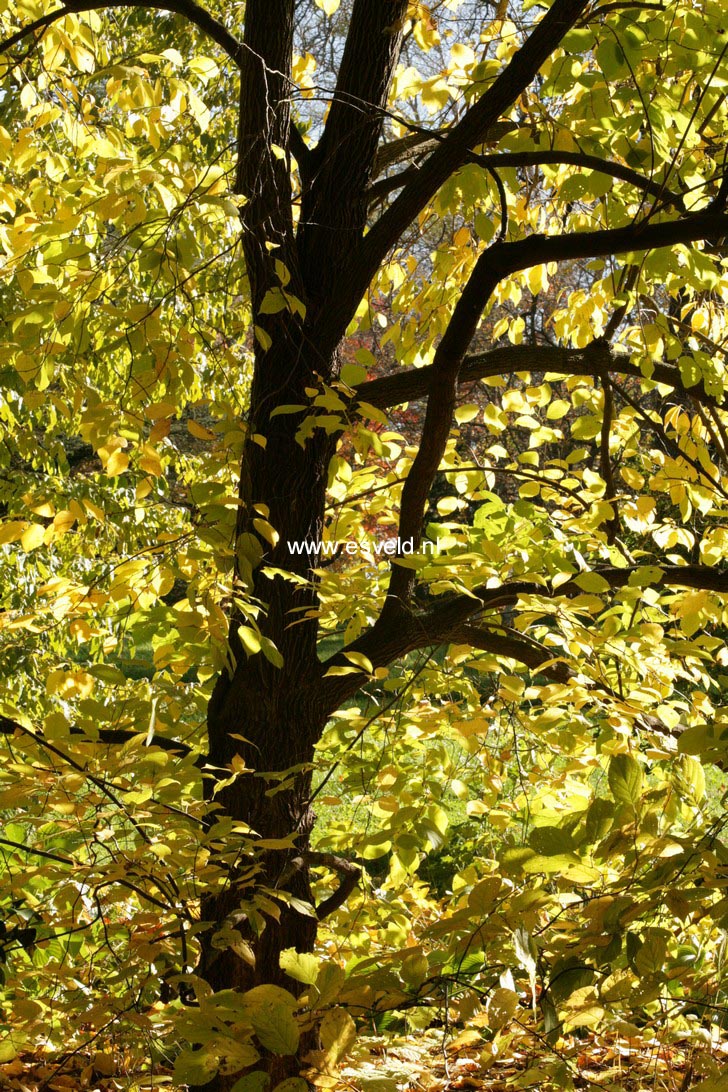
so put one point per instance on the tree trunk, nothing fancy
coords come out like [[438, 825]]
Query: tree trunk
[[268, 716], [271, 733], [264, 717]]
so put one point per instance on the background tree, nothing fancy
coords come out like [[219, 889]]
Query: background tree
[[167, 256]]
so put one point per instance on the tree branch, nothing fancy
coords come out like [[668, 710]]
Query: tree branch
[[605, 461], [188, 8], [540, 659], [392, 637], [422, 141], [502, 642], [545, 158], [507, 258], [73, 863], [300, 152], [42, 853], [112, 736], [495, 263], [597, 359], [263, 176], [350, 875], [453, 150], [334, 207], [438, 418]]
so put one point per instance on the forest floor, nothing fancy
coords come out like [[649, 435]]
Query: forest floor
[[430, 1062]]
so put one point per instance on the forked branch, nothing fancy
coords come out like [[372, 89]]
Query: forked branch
[[495, 263], [453, 151], [392, 637]]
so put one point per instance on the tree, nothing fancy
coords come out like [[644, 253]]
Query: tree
[[576, 151]]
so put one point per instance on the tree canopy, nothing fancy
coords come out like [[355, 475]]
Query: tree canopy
[[363, 497]]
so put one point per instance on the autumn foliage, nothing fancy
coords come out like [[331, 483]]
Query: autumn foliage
[[310, 271]]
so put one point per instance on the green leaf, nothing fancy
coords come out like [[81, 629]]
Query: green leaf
[[651, 955], [415, 968], [270, 1011], [7, 1051], [567, 976], [270, 652], [703, 739], [329, 981], [625, 779], [599, 816], [303, 966], [195, 1067], [550, 841], [610, 56], [645, 576], [353, 374], [567, 865], [578, 41], [592, 583], [279, 411], [252, 1082]]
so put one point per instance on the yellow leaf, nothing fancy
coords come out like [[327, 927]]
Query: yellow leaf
[[28, 96], [435, 94], [265, 530], [262, 338], [94, 509], [463, 414], [250, 639], [204, 67], [63, 522], [360, 660], [338, 1034], [462, 56], [117, 463], [199, 431], [12, 531], [32, 537], [104, 1064], [557, 409], [150, 462], [160, 409], [47, 510], [159, 430], [537, 279]]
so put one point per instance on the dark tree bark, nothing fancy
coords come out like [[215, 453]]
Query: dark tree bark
[[280, 710]]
